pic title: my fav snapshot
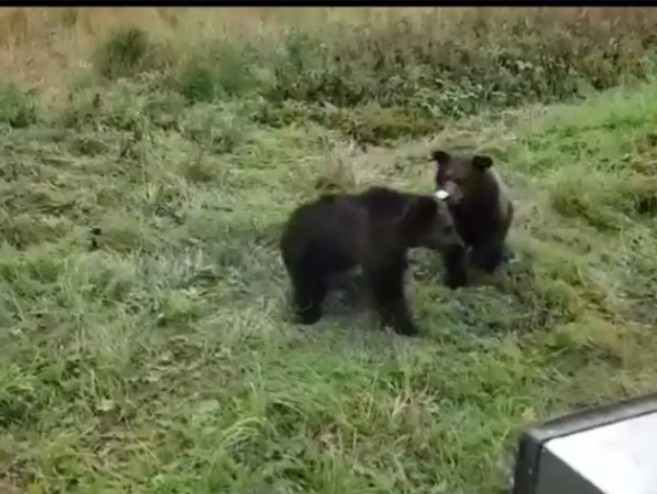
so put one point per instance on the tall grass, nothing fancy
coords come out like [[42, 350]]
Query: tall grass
[[433, 62]]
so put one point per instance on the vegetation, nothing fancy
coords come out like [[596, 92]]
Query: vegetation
[[145, 342]]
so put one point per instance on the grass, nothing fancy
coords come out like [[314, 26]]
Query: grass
[[146, 343]]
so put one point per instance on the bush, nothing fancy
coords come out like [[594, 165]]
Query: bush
[[461, 67], [128, 51], [217, 72], [17, 108], [433, 66]]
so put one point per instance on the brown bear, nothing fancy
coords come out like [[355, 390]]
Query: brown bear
[[479, 203], [374, 230]]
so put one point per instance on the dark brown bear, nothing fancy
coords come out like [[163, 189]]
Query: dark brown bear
[[374, 230], [479, 203]]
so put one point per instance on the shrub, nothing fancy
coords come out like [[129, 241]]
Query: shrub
[[460, 66], [17, 108], [218, 71], [128, 51], [434, 66]]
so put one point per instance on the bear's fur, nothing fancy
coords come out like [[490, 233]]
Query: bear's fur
[[479, 203], [373, 230]]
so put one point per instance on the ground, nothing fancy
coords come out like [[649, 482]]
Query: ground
[[147, 345], [164, 361]]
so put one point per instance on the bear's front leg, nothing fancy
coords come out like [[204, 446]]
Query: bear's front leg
[[309, 293], [387, 284]]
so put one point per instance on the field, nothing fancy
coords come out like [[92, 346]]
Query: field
[[145, 342]]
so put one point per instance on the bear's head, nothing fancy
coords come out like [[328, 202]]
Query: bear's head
[[428, 223], [461, 177]]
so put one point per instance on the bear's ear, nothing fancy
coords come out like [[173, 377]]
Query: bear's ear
[[440, 156], [421, 212], [482, 162]]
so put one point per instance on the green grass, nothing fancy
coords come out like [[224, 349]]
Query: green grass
[[164, 362]]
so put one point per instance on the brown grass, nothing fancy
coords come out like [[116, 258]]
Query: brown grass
[[33, 40]]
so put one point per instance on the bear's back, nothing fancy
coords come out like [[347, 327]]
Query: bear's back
[[383, 203], [328, 231]]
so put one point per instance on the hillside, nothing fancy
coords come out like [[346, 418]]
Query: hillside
[[145, 343]]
